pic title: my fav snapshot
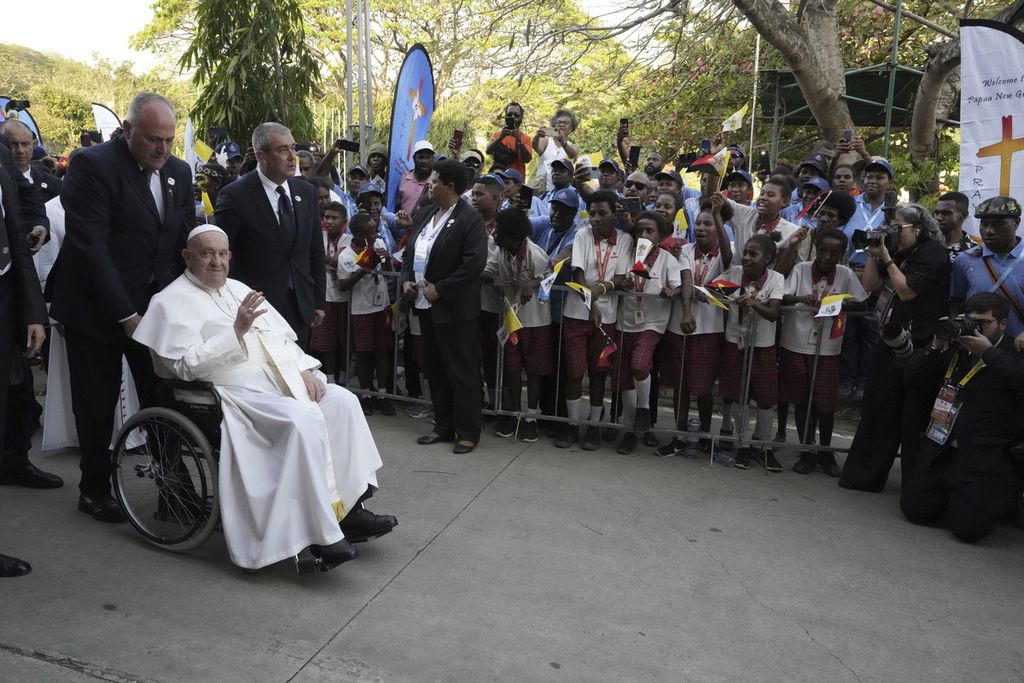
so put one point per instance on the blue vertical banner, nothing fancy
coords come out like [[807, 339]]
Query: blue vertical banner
[[22, 115], [410, 115]]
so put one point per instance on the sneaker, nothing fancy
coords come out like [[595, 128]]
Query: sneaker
[[366, 402], [674, 447], [569, 437], [827, 462], [650, 440], [806, 463], [529, 431], [383, 406], [418, 411], [726, 446], [506, 427], [766, 457], [628, 444], [742, 459], [591, 439], [642, 420]]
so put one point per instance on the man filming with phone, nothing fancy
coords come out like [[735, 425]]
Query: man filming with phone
[[510, 147], [964, 477]]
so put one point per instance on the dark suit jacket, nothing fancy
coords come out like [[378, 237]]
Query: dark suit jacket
[[117, 252], [456, 261], [29, 196], [262, 256], [48, 184], [990, 417], [21, 282]]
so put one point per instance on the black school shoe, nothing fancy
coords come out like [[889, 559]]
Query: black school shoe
[[628, 444], [674, 447], [742, 458], [806, 464], [766, 457], [528, 431]]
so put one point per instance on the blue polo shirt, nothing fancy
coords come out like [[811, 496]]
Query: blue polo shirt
[[545, 237], [863, 219], [970, 276]]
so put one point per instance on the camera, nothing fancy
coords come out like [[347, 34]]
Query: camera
[[960, 326], [888, 232], [897, 339], [20, 105]]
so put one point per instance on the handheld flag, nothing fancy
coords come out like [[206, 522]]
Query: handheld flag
[[643, 247], [207, 205], [831, 305], [365, 258], [544, 292], [814, 204], [723, 287], [838, 326], [510, 326], [558, 266], [711, 297], [582, 291], [735, 122], [711, 163], [681, 224], [604, 356], [202, 150]]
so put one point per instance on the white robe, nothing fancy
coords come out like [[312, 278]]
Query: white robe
[[290, 468]]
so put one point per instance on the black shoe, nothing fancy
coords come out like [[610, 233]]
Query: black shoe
[[529, 431], [569, 437], [642, 420], [31, 477], [650, 440], [432, 438], [554, 430], [742, 459], [766, 457], [383, 406], [366, 403], [675, 447], [102, 508], [335, 553], [827, 462], [12, 566], [591, 439], [628, 443], [726, 446], [506, 427], [461, 448], [704, 445], [780, 437], [806, 463], [360, 525], [609, 433]]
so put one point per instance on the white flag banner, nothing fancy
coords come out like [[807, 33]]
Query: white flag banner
[[991, 113], [106, 120], [190, 147]]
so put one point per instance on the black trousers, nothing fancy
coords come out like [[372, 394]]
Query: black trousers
[[95, 369], [892, 421], [451, 359], [488, 330], [290, 312], [19, 417], [969, 506], [8, 347]]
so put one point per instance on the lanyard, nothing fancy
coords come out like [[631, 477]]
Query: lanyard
[[702, 264], [1006, 274], [869, 221], [970, 373], [602, 263]]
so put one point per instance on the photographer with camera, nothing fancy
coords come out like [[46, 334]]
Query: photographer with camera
[[910, 270], [994, 266], [963, 477]]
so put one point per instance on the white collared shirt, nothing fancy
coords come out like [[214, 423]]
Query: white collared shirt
[[424, 245], [270, 187]]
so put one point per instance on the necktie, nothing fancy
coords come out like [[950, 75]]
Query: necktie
[[157, 192], [284, 213]]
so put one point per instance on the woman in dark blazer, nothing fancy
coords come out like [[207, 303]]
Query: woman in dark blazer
[[441, 268]]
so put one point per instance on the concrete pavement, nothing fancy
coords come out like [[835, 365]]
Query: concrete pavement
[[526, 563]]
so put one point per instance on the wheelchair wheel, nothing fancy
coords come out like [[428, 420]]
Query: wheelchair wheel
[[165, 478]]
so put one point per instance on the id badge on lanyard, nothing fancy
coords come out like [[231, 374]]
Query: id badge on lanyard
[[944, 414], [885, 303]]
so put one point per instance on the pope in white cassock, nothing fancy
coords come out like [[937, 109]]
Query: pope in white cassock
[[296, 454]]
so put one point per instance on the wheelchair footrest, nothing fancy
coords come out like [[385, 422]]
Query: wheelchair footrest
[[313, 565]]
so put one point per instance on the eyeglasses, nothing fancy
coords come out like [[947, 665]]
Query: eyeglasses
[[636, 184], [982, 322], [906, 225], [471, 164]]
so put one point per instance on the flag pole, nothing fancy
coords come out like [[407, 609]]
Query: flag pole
[[753, 100]]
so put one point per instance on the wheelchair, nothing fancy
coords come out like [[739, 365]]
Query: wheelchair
[[165, 470]]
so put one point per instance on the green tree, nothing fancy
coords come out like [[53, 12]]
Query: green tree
[[61, 115], [251, 64]]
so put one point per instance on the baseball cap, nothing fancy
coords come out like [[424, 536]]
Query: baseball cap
[[511, 174], [736, 151], [880, 163], [818, 182], [422, 145], [492, 178], [370, 188], [473, 154], [815, 161], [230, 148], [567, 197], [998, 207], [670, 175], [564, 163], [358, 169], [609, 162], [742, 176]]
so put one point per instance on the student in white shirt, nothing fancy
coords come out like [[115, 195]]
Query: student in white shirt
[[329, 340], [359, 272], [803, 334], [642, 321]]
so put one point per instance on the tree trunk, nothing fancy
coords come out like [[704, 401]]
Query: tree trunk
[[812, 54]]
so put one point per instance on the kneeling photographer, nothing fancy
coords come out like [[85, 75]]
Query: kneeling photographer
[[910, 271], [963, 476]]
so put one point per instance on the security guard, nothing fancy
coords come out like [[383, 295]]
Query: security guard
[[964, 477]]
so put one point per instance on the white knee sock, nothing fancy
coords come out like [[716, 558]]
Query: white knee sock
[[574, 407], [727, 408], [643, 392], [595, 413], [629, 403]]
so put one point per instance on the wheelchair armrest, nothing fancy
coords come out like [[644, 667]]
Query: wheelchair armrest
[[176, 391]]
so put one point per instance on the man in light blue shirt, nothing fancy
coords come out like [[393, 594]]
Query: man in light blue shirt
[[878, 179], [995, 265]]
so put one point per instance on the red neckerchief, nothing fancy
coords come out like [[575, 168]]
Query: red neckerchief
[[757, 285], [602, 264], [766, 226], [703, 260], [817, 277]]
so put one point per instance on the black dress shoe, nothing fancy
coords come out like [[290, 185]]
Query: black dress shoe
[[463, 448], [12, 566], [31, 477], [102, 508], [432, 438], [360, 525], [335, 553]]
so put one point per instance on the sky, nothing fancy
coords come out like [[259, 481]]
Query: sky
[[111, 24]]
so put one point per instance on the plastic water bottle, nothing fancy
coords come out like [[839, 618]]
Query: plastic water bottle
[[724, 459], [692, 442]]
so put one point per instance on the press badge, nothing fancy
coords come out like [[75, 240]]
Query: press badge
[[884, 305], [944, 413]]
